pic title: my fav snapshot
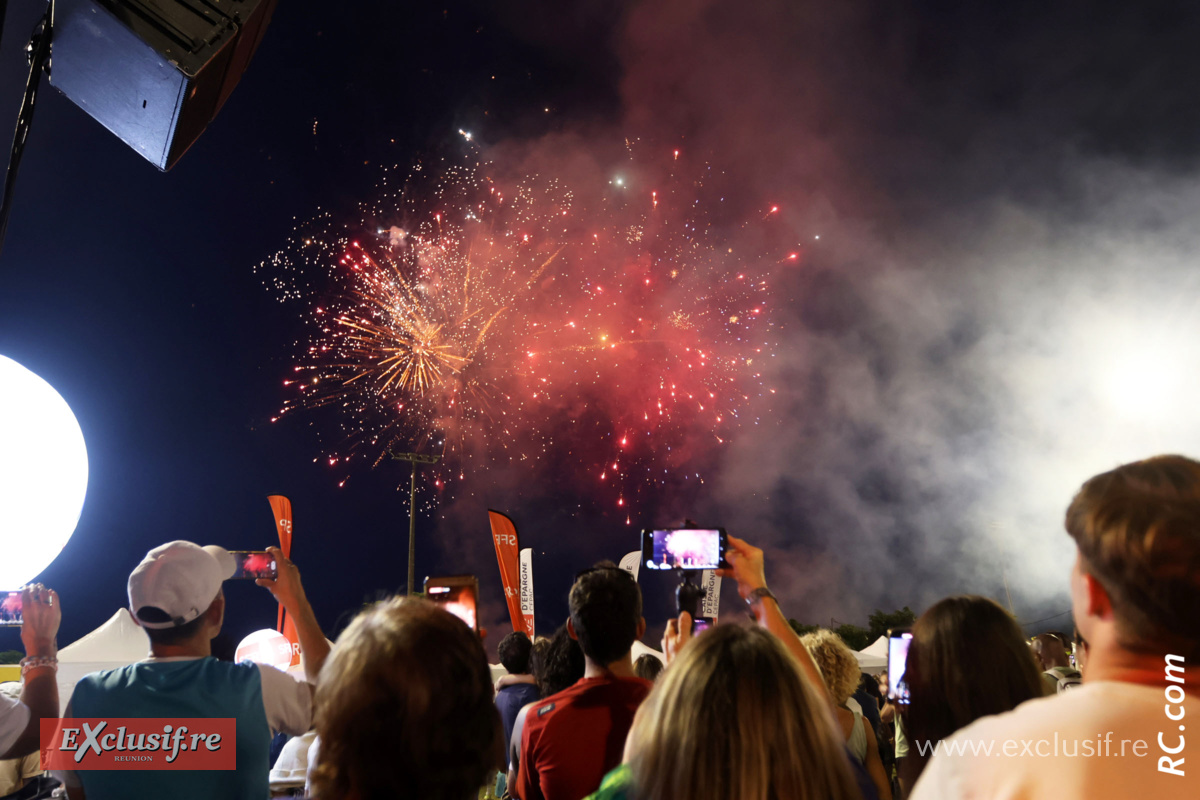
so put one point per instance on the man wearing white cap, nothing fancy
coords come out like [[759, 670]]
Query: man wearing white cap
[[175, 595]]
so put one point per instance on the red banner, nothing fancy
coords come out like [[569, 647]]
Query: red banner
[[504, 534], [138, 744], [281, 507]]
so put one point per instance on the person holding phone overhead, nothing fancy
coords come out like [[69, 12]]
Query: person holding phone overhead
[[20, 720], [175, 594], [740, 712]]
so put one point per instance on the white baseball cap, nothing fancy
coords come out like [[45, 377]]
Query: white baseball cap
[[180, 579]]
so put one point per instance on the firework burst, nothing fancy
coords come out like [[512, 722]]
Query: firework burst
[[496, 323]]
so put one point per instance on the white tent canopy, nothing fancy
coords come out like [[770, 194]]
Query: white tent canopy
[[116, 643], [872, 659], [879, 647]]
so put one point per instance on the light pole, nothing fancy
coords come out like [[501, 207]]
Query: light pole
[[414, 459]]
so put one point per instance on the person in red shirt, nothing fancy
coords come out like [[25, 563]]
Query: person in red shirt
[[572, 738]]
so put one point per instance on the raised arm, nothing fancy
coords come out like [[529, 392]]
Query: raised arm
[[746, 567], [42, 615], [290, 593]]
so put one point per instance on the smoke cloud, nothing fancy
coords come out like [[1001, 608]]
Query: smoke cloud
[[996, 295]]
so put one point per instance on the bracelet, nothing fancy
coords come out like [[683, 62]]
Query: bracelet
[[758, 594], [34, 662]]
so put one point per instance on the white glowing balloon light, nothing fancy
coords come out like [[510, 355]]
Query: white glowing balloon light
[[265, 647], [43, 474]]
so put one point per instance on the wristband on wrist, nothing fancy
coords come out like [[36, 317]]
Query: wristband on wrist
[[756, 596], [35, 662]]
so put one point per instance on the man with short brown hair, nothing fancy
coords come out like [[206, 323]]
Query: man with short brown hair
[[573, 738], [1135, 593]]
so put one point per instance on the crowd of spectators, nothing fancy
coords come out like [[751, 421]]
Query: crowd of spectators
[[405, 707]]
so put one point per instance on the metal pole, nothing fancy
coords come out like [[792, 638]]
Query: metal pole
[[412, 532], [414, 459]]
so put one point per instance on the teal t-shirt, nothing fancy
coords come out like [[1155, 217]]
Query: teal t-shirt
[[202, 687]]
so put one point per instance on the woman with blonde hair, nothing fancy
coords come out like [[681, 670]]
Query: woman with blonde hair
[[404, 708], [842, 675], [732, 717]]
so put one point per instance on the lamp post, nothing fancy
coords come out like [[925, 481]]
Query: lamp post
[[414, 459]]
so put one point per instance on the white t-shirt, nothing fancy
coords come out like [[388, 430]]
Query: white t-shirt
[[288, 702], [14, 716], [1102, 740]]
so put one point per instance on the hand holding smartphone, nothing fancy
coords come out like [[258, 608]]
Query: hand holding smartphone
[[12, 605]]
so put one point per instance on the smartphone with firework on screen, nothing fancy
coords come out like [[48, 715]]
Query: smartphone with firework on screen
[[10, 609], [254, 564], [457, 594], [685, 548]]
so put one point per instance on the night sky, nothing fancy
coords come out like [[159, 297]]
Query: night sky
[[1005, 201]]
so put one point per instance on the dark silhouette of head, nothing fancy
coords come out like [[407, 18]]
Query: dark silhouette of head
[[559, 664], [968, 659], [606, 612], [514, 652], [647, 667]]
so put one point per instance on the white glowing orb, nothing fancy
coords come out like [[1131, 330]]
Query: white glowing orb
[[265, 647], [43, 474]]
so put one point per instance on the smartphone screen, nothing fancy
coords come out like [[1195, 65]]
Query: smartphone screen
[[684, 548], [457, 594], [254, 564], [898, 644], [10, 608], [701, 624]]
